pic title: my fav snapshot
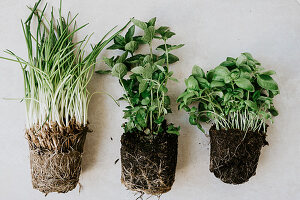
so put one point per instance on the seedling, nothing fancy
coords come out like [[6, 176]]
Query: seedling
[[149, 143], [145, 90], [238, 94], [237, 97], [56, 75]]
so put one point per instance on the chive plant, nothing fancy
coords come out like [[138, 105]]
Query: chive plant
[[57, 71], [56, 75]]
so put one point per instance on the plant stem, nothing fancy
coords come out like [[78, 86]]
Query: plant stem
[[167, 54], [151, 111]]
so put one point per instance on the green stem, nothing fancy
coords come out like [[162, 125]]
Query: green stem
[[247, 99], [167, 54], [151, 51], [167, 57], [151, 111], [209, 100]]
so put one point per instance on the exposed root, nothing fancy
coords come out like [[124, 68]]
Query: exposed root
[[80, 187], [142, 194], [151, 175], [53, 172], [56, 156], [148, 166]]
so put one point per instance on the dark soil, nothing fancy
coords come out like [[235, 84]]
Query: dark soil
[[234, 154], [149, 165]]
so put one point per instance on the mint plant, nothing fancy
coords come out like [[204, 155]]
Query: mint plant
[[237, 94], [144, 77]]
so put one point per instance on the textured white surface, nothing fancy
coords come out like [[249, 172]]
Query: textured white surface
[[211, 30]]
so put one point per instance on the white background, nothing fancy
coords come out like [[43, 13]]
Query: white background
[[211, 30]]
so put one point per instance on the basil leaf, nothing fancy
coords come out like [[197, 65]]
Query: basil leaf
[[217, 84], [241, 60], [244, 84], [267, 82], [198, 71], [270, 72], [192, 83]]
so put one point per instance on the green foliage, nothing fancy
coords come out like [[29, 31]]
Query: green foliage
[[57, 70], [144, 77], [236, 94]]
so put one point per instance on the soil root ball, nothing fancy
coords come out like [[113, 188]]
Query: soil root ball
[[55, 172], [149, 165], [56, 156], [234, 154]]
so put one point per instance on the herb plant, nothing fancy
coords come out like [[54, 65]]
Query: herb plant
[[56, 75], [148, 74], [237, 94], [57, 72]]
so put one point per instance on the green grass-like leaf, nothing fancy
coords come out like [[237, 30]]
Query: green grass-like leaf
[[57, 71]]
